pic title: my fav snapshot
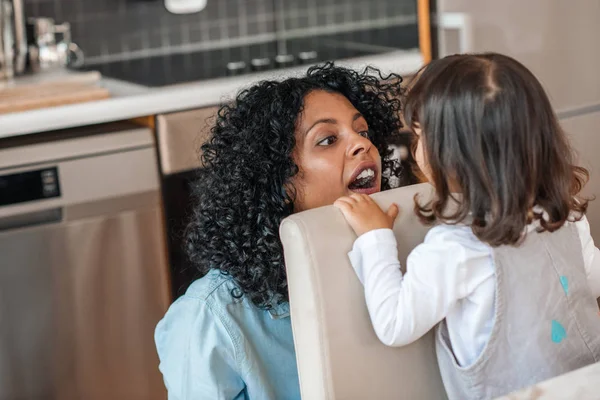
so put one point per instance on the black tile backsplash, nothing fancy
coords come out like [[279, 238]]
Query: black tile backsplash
[[118, 29]]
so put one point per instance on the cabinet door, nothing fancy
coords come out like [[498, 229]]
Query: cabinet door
[[585, 138], [180, 136], [557, 40]]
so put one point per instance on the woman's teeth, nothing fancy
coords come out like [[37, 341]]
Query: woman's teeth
[[367, 173], [365, 179]]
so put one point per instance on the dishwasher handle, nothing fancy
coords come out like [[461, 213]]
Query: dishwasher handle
[[27, 220]]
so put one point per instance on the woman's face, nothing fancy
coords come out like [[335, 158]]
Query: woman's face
[[333, 152]]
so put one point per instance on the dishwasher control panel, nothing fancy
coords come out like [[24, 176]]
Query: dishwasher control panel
[[29, 186]]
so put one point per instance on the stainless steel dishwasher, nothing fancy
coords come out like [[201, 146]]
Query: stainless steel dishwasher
[[83, 265]]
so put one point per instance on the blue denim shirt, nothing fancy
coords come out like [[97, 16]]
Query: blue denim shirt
[[212, 346]]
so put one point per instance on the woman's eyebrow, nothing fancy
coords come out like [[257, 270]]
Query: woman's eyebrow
[[321, 121], [331, 121]]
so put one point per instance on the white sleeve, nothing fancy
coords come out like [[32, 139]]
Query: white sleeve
[[591, 256], [404, 308]]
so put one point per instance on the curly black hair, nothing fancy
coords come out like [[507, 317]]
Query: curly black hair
[[244, 190]]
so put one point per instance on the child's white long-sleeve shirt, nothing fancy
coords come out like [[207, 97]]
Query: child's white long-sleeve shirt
[[450, 275]]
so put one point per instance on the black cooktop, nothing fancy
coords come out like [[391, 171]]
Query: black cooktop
[[179, 68]]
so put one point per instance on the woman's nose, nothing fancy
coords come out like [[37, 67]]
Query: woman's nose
[[359, 144]]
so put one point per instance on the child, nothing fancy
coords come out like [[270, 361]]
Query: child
[[510, 269]]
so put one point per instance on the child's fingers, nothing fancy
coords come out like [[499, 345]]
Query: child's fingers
[[361, 198], [343, 203], [348, 199], [357, 197], [392, 212]]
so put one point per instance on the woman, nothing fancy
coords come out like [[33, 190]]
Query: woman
[[279, 148]]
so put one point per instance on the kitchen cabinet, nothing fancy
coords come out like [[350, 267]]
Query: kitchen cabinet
[[557, 40]]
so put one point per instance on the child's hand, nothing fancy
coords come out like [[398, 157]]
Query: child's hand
[[364, 215]]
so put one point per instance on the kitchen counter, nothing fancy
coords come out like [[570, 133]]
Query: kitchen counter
[[132, 101]]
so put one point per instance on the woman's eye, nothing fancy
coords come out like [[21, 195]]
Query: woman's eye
[[328, 141], [365, 134]]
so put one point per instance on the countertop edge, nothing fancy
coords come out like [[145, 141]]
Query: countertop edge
[[150, 101]]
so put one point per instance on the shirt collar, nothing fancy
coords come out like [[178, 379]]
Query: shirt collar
[[279, 311]]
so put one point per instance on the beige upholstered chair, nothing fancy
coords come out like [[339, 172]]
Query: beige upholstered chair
[[339, 355]]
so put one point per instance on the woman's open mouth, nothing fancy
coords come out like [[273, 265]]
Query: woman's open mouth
[[365, 180]]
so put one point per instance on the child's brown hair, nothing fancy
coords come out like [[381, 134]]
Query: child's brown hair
[[489, 129]]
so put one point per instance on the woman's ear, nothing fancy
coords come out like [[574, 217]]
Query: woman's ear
[[290, 194]]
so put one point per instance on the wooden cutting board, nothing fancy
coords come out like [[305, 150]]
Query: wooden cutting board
[[49, 94]]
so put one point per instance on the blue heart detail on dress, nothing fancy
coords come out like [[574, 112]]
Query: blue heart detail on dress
[[565, 284], [558, 332]]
